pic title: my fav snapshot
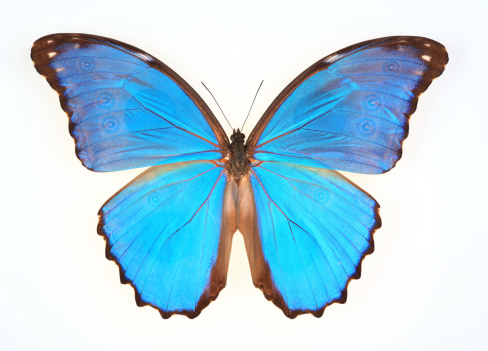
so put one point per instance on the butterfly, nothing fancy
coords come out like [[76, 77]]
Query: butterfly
[[306, 227]]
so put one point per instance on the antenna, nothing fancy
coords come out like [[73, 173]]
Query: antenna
[[217, 105], [252, 104]]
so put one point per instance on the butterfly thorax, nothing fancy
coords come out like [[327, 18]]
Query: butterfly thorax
[[238, 164]]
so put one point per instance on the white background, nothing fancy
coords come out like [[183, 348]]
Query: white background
[[424, 288]]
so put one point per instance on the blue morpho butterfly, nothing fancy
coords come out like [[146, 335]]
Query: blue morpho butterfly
[[306, 228]]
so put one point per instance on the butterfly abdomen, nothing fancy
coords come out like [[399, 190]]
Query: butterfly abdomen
[[238, 164]]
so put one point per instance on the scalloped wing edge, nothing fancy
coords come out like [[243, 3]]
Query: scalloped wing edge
[[262, 279], [218, 275]]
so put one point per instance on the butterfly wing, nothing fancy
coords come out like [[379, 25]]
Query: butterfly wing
[[306, 227], [304, 248], [173, 251], [350, 110], [127, 109], [170, 229]]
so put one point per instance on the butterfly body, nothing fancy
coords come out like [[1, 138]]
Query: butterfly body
[[306, 227], [238, 160]]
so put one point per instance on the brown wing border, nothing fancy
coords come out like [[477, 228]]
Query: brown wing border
[[436, 68]]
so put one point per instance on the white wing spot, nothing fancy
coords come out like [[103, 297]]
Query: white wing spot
[[50, 41], [426, 58], [52, 54], [427, 44], [146, 57], [77, 46], [333, 57]]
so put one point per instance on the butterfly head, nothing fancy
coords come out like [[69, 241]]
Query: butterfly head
[[237, 135]]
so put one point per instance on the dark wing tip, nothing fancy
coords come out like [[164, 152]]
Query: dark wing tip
[[436, 57]]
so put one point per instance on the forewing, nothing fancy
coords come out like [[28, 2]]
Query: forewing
[[350, 110], [306, 231], [126, 108], [170, 231]]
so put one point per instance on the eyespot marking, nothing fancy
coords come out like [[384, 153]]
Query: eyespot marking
[[110, 124], [87, 64], [106, 100], [372, 102], [321, 195], [366, 126], [154, 199], [391, 67]]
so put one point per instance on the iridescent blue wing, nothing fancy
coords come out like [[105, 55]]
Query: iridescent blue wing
[[307, 228], [127, 109], [306, 232], [170, 231], [350, 110]]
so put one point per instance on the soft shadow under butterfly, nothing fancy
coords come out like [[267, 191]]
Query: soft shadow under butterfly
[[306, 228]]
